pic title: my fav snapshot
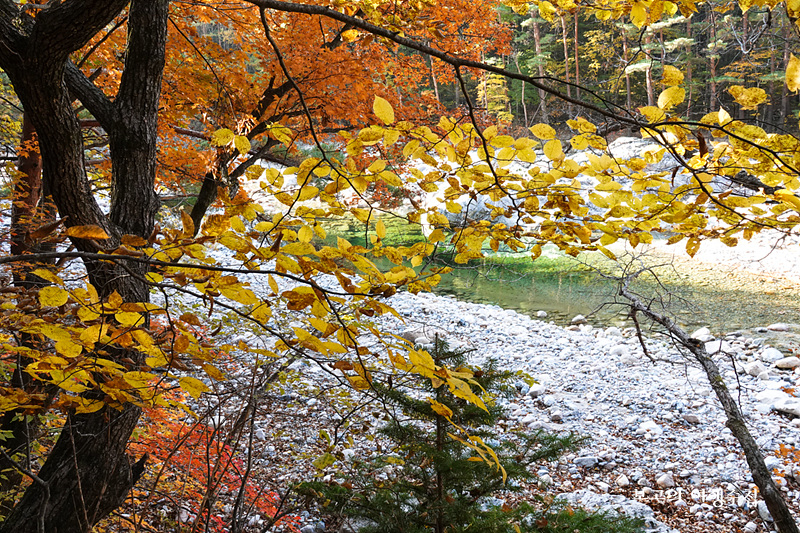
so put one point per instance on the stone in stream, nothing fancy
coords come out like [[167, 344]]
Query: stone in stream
[[703, 335], [578, 319], [779, 326]]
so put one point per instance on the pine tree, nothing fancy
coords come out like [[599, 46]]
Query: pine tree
[[432, 482]]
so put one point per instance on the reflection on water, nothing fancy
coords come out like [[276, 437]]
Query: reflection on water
[[563, 292], [560, 287]]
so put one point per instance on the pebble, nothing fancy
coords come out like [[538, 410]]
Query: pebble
[[771, 355], [665, 481], [788, 363]]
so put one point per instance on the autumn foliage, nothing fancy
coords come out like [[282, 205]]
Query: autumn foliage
[[324, 111]]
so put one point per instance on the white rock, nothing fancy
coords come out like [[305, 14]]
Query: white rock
[[541, 314], [713, 347], [650, 426], [578, 319], [770, 355], [750, 527], [613, 331], [790, 406], [779, 326], [623, 481], [764, 376], [618, 350], [665, 481], [788, 363], [536, 390], [690, 418], [700, 333], [754, 368], [517, 331], [770, 396]]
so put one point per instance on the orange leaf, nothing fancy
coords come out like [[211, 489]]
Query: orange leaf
[[87, 232]]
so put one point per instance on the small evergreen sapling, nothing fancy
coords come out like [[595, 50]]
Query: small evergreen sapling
[[432, 482]]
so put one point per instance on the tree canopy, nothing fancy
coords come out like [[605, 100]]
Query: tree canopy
[[364, 111]]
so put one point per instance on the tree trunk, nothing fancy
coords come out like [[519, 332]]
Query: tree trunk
[[522, 92], [537, 43], [88, 473], [577, 57], [784, 521], [564, 41], [628, 103], [712, 65], [690, 91], [648, 73]]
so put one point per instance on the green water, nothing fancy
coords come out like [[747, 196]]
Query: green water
[[564, 287]]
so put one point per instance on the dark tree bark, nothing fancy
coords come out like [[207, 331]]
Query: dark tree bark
[[87, 474]]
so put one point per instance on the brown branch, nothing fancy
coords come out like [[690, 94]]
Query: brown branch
[[735, 420]]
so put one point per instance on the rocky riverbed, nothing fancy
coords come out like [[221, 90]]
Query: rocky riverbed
[[658, 443]]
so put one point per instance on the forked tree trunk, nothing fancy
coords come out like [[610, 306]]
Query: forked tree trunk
[[87, 474]]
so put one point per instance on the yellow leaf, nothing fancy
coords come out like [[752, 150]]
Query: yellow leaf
[[383, 110], [193, 386], [48, 275], [305, 234], [214, 372], [543, 131], [215, 225], [222, 137], [639, 14], [786, 196], [128, 319], [440, 408], [793, 73], [87, 232], [380, 229], [453, 207], [723, 117], [390, 137], [553, 150], [349, 36], [692, 245], [242, 144], [308, 192], [298, 248], [748, 98], [671, 97], [436, 236], [547, 11], [671, 76], [88, 406], [53, 296], [69, 348], [188, 223]]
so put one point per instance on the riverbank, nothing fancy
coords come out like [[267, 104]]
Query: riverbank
[[658, 444]]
